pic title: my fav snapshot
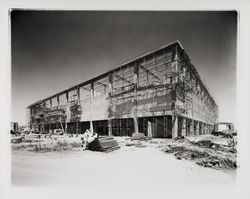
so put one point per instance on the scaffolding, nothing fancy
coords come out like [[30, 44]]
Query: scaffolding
[[156, 84], [152, 76]]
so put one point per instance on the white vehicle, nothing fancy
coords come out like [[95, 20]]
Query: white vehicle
[[25, 130], [58, 131], [224, 128]]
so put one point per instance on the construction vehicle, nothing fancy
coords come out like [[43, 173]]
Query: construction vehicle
[[58, 131], [224, 128]]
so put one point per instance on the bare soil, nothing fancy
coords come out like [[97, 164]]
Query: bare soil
[[61, 161]]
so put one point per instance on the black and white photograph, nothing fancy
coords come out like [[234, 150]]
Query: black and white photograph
[[149, 90], [128, 100]]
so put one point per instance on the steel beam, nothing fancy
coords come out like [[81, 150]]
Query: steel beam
[[149, 72], [123, 79], [101, 84]]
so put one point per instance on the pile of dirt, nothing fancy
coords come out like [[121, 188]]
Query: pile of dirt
[[139, 140], [136, 143], [218, 147], [139, 136], [204, 153], [181, 152], [181, 141], [219, 163], [206, 144]]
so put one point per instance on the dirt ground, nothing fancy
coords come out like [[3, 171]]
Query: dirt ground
[[162, 161]]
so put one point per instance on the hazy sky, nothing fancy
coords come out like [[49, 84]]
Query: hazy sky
[[53, 50]]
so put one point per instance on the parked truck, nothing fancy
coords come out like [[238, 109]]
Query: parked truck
[[225, 129]]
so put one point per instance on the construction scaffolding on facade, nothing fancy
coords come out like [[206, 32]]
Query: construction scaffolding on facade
[[159, 94]]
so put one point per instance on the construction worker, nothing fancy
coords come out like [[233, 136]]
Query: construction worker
[[88, 137], [85, 139]]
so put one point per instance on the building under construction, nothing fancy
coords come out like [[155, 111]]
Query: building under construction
[[159, 94]]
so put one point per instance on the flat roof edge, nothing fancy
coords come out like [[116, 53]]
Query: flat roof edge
[[112, 69]]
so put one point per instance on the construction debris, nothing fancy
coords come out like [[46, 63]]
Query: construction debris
[[204, 152], [130, 143], [210, 151], [216, 162], [138, 136]]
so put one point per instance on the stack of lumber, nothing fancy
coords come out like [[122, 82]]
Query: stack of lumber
[[104, 144]]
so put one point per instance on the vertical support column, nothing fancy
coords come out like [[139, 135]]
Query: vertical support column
[[67, 96], [176, 72], [184, 127], [110, 84], [58, 101], [110, 127], [174, 126], [58, 104], [136, 71], [149, 125], [110, 94], [196, 128], [28, 119], [176, 65], [208, 131], [191, 127], [50, 102], [199, 128], [78, 103], [67, 107], [91, 106], [78, 94]]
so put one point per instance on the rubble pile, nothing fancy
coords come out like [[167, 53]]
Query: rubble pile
[[136, 143], [139, 136], [219, 163], [182, 152], [205, 153]]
